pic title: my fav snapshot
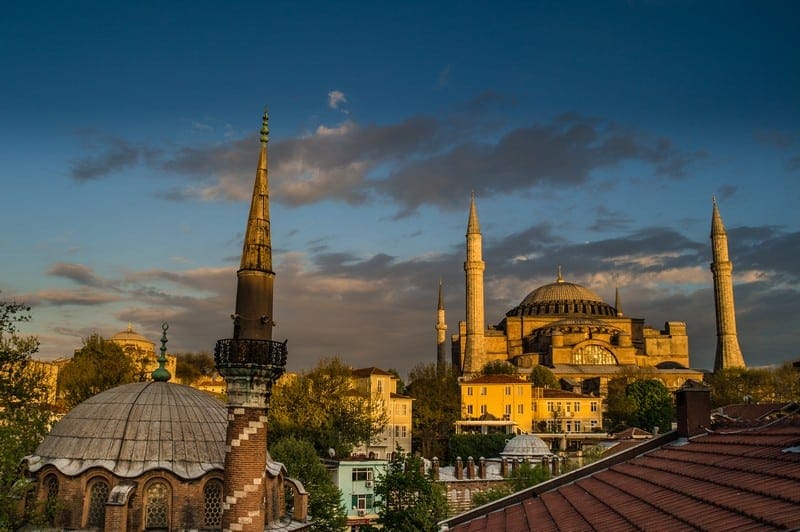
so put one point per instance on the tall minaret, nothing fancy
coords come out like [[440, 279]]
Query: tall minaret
[[474, 356], [729, 354], [250, 363], [441, 329]]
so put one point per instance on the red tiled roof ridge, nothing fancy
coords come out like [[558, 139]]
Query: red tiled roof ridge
[[371, 370], [495, 379]]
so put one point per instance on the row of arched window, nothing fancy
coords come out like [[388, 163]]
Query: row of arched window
[[157, 502]]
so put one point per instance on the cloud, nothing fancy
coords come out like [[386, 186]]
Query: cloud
[[110, 154], [79, 273], [336, 98], [79, 296]]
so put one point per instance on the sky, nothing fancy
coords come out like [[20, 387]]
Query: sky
[[593, 134]]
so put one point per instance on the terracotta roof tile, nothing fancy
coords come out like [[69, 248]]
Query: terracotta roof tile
[[725, 480]]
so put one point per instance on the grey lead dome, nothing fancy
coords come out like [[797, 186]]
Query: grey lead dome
[[139, 427]]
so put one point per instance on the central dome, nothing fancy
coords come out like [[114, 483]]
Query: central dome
[[138, 427], [562, 298]]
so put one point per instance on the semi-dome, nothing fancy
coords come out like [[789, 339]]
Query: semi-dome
[[525, 446], [139, 427], [563, 298]]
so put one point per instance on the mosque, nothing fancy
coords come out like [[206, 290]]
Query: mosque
[[162, 456], [584, 340]]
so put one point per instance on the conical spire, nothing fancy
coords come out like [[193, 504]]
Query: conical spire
[[257, 251], [441, 297], [717, 227], [441, 329], [473, 226], [617, 302]]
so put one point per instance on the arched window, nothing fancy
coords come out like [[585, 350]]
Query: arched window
[[157, 506], [98, 496], [212, 504], [593, 354], [51, 497]]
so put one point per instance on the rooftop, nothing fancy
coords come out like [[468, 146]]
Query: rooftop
[[722, 480]]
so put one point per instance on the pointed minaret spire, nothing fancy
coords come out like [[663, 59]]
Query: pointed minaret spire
[[253, 318], [728, 354], [441, 329], [251, 362], [617, 302], [474, 353]]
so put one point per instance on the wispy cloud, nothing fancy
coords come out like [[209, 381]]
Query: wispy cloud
[[110, 154], [336, 98], [79, 273]]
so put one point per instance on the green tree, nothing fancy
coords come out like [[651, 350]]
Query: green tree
[[437, 406], [408, 499], [24, 413], [190, 367], [401, 385], [757, 385], [96, 367], [325, 499], [652, 403], [499, 367], [476, 445], [321, 407], [620, 407], [542, 377]]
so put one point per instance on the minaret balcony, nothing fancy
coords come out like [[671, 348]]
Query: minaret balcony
[[259, 355]]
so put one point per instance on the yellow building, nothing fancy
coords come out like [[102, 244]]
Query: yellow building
[[382, 386], [142, 353], [495, 403], [562, 411]]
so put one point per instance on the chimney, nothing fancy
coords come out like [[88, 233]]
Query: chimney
[[482, 467], [435, 468], [458, 469], [470, 467], [693, 408], [504, 467]]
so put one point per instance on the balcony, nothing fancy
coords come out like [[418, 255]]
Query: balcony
[[263, 354]]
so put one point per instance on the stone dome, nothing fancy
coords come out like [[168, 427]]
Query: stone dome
[[129, 336], [139, 427], [563, 298], [525, 446]]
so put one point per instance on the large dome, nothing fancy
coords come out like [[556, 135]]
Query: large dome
[[129, 335], [139, 427], [562, 298], [525, 446]]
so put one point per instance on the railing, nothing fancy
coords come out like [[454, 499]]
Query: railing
[[265, 353]]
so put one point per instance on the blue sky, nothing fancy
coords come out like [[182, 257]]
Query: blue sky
[[593, 134]]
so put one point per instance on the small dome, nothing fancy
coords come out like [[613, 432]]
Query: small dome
[[525, 446], [128, 336], [138, 427]]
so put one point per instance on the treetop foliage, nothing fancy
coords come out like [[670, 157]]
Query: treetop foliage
[[437, 406], [99, 365], [191, 367], [322, 407], [543, 377], [499, 367], [756, 385]]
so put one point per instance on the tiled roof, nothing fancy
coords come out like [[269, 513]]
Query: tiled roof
[[366, 372], [724, 480], [495, 379], [753, 412]]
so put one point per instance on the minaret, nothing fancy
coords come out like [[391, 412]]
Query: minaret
[[250, 362], [474, 356], [729, 354], [441, 329], [617, 302]]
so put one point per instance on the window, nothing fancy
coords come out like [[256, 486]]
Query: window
[[404, 409], [520, 390], [569, 407], [362, 473], [593, 406], [362, 501], [51, 490], [569, 426], [380, 385], [520, 409], [550, 406], [508, 390], [403, 431], [483, 390], [577, 406], [156, 509], [212, 503], [483, 409], [399, 431], [469, 390], [469, 409], [508, 410], [98, 496], [577, 426], [594, 423]]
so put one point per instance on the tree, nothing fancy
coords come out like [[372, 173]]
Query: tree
[[437, 406], [321, 407], [401, 385], [499, 367], [620, 407], [542, 377], [96, 367], [757, 385], [324, 504], [653, 404], [191, 367], [407, 497], [476, 445], [24, 413]]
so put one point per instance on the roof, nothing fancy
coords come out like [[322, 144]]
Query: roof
[[138, 427], [495, 379], [755, 412], [553, 393], [366, 372], [724, 480]]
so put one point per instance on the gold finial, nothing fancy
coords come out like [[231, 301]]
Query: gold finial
[[559, 278], [265, 127]]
